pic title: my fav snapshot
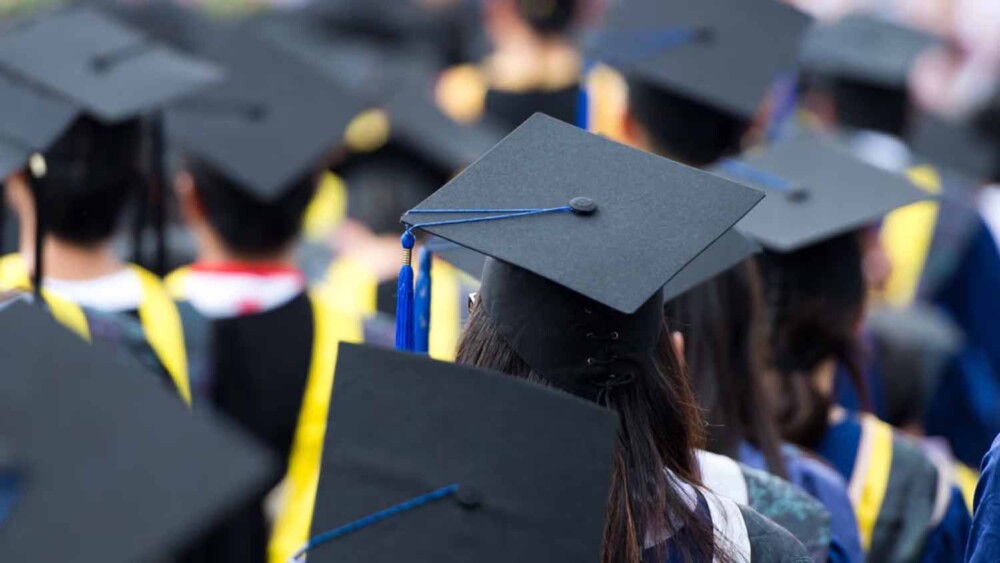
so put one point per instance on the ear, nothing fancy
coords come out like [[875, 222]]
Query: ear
[[635, 133], [188, 200], [677, 340], [17, 194]]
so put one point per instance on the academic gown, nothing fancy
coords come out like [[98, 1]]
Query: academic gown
[[259, 370], [776, 499], [749, 537], [984, 540], [826, 486], [907, 509]]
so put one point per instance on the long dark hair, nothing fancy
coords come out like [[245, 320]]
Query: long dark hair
[[660, 427], [725, 334], [815, 299]]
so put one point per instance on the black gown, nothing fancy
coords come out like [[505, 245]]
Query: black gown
[[254, 369], [510, 109]]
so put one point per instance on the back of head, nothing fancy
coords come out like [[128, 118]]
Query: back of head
[[648, 388], [248, 226], [549, 17], [815, 298], [859, 105], [725, 334], [91, 171], [682, 128], [385, 184]]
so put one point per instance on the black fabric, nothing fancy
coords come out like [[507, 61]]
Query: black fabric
[[114, 467], [385, 298], [538, 462], [259, 368], [579, 345], [510, 109]]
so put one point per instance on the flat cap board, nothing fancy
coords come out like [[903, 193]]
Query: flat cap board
[[111, 70], [114, 468], [829, 192], [652, 216], [727, 251], [401, 425], [270, 122], [743, 48], [958, 145], [465, 259], [864, 48], [30, 117]]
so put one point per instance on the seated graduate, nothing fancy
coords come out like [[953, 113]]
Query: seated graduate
[[939, 252], [262, 346], [984, 540], [572, 299], [534, 66], [82, 137], [723, 325], [819, 197]]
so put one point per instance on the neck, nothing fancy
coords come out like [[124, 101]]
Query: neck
[[824, 375], [219, 255], [540, 62], [68, 261]]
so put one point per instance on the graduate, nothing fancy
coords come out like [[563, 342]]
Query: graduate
[[820, 197], [400, 154], [127, 469], [535, 65], [556, 307], [940, 252], [84, 136], [262, 346]]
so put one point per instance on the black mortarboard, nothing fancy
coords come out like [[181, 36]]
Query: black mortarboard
[[727, 251], [726, 54], [961, 145], [466, 260], [111, 467], [109, 69], [816, 190], [269, 122], [864, 49], [30, 120], [532, 465], [618, 223]]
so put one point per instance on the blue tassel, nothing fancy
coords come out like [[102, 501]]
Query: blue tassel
[[422, 304], [404, 297], [583, 99]]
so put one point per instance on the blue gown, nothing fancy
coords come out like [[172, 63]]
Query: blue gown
[[825, 485], [984, 541], [920, 517]]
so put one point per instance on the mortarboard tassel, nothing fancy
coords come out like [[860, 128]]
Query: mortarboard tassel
[[38, 168], [404, 296], [784, 103], [422, 303], [583, 99]]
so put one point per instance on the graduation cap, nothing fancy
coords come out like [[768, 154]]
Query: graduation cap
[[30, 121], [111, 70], [605, 221], [269, 123], [109, 465], [816, 190], [865, 49], [726, 54], [461, 464], [961, 145]]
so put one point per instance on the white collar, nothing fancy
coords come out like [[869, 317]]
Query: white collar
[[225, 292], [113, 293]]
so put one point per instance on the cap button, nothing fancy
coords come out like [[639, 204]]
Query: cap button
[[797, 194], [583, 205], [468, 498]]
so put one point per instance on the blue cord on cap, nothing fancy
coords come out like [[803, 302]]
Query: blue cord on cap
[[407, 323], [743, 171], [371, 519], [422, 303]]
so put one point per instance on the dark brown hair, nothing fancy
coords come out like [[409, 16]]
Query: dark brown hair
[[660, 427], [725, 334], [815, 299]]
